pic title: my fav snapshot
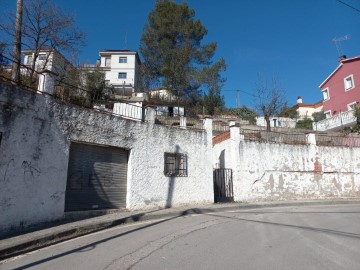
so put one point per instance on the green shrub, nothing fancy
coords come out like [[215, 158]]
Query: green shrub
[[304, 124]]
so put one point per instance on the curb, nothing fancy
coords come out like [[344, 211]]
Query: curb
[[74, 231]]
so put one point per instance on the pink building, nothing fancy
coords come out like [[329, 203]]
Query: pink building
[[341, 90]]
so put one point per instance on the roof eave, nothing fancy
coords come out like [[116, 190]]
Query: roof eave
[[332, 74]]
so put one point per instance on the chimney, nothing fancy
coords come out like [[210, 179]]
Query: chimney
[[299, 100], [342, 58]]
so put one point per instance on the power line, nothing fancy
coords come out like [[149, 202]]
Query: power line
[[236, 90], [354, 8]]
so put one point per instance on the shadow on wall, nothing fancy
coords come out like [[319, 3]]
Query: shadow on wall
[[171, 184], [222, 159]]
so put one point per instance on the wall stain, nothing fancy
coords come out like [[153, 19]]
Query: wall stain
[[7, 169], [56, 196], [29, 171], [281, 182], [6, 203], [271, 182], [337, 184], [353, 183], [317, 166]]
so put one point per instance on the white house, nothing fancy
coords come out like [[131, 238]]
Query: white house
[[49, 65], [282, 122], [166, 103], [307, 110], [121, 69]]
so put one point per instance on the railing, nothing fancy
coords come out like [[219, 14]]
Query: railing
[[194, 123], [338, 121], [129, 111], [67, 88], [348, 140], [29, 78], [331, 140], [274, 137], [220, 127], [180, 122]]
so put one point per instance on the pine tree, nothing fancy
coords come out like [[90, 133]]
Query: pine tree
[[173, 54]]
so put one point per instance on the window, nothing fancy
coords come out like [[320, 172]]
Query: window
[[29, 60], [349, 82], [107, 62], [122, 59], [175, 164], [327, 114], [42, 57], [122, 75], [326, 93], [352, 106]]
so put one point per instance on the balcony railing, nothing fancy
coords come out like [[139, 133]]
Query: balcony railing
[[339, 121]]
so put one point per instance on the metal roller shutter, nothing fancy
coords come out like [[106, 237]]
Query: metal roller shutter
[[97, 177]]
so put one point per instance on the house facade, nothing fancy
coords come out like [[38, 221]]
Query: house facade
[[49, 65], [121, 69], [341, 90], [341, 93]]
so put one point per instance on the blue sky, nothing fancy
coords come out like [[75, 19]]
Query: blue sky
[[290, 39]]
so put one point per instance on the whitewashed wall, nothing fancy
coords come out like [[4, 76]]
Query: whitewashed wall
[[36, 135], [271, 171], [283, 122]]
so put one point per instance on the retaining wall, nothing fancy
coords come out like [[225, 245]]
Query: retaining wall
[[36, 132], [276, 171]]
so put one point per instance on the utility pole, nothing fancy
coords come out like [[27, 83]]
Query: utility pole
[[15, 71]]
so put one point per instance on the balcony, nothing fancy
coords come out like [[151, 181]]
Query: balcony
[[337, 122]]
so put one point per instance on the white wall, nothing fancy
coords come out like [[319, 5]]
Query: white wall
[[271, 171], [32, 160], [36, 135], [283, 122]]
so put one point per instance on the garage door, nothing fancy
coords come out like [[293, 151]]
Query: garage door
[[97, 177]]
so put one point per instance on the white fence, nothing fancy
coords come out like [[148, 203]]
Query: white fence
[[338, 121]]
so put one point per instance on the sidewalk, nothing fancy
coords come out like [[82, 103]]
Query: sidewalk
[[34, 240]]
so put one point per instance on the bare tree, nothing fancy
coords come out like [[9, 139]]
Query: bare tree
[[47, 28], [269, 98]]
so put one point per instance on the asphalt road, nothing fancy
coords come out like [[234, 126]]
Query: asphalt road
[[316, 237]]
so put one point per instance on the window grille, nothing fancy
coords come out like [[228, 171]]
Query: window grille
[[175, 164]]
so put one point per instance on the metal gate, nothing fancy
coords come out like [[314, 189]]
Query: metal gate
[[97, 177], [223, 185]]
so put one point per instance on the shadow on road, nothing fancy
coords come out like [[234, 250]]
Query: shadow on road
[[199, 211], [322, 230], [94, 244]]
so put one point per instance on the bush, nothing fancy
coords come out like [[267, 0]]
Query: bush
[[304, 124]]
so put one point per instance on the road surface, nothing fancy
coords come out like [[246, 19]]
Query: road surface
[[311, 237]]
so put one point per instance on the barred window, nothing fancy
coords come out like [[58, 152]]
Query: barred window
[[175, 164]]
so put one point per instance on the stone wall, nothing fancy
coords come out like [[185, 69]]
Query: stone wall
[[36, 133], [276, 171]]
